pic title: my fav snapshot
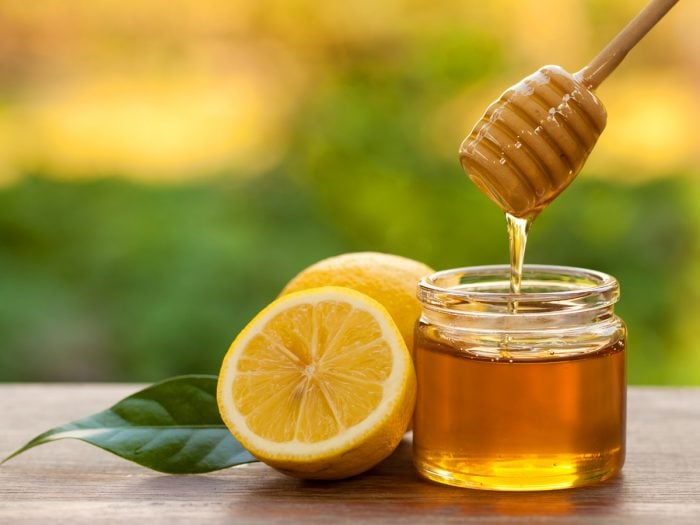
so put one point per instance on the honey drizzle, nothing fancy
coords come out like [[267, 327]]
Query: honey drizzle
[[518, 228]]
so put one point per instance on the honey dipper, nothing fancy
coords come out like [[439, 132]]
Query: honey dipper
[[532, 141]]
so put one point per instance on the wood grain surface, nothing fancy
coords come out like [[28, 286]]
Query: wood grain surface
[[72, 482]]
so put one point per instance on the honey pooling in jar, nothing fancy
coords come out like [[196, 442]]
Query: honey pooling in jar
[[530, 425]]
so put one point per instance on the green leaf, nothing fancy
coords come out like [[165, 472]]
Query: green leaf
[[172, 426]]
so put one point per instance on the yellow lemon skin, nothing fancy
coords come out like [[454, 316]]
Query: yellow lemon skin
[[319, 385], [389, 279]]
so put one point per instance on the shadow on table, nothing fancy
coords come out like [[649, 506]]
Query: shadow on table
[[395, 483], [391, 488]]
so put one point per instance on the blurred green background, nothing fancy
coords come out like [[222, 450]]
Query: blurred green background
[[166, 168]]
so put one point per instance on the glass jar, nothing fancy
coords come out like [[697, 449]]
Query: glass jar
[[519, 391]]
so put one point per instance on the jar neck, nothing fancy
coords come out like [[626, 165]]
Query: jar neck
[[552, 298]]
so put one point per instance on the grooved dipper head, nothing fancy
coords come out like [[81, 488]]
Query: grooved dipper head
[[532, 141]]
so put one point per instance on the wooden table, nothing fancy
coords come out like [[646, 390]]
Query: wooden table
[[72, 482]]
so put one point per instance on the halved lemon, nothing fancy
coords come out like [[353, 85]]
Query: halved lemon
[[319, 385]]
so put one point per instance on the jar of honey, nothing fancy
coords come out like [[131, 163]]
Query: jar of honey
[[519, 391]]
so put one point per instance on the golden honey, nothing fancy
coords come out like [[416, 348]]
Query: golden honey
[[526, 398]]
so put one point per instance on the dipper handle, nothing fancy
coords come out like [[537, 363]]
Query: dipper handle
[[609, 58]]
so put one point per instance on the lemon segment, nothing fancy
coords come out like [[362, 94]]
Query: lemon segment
[[320, 384]]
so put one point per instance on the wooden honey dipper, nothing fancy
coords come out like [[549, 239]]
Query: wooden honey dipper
[[533, 141]]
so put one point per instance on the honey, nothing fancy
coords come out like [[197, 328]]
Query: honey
[[518, 229], [526, 398]]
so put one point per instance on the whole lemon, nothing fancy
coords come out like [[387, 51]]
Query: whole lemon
[[389, 279]]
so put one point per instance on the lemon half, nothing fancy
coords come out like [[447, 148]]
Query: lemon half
[[319, 385]]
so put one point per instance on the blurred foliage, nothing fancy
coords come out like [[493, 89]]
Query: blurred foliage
[[162, 187], [112, 280]]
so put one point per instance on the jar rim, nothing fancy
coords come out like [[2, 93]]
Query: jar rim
[[571, 287]]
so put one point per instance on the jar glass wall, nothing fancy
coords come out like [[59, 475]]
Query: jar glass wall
[[519, 392]]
